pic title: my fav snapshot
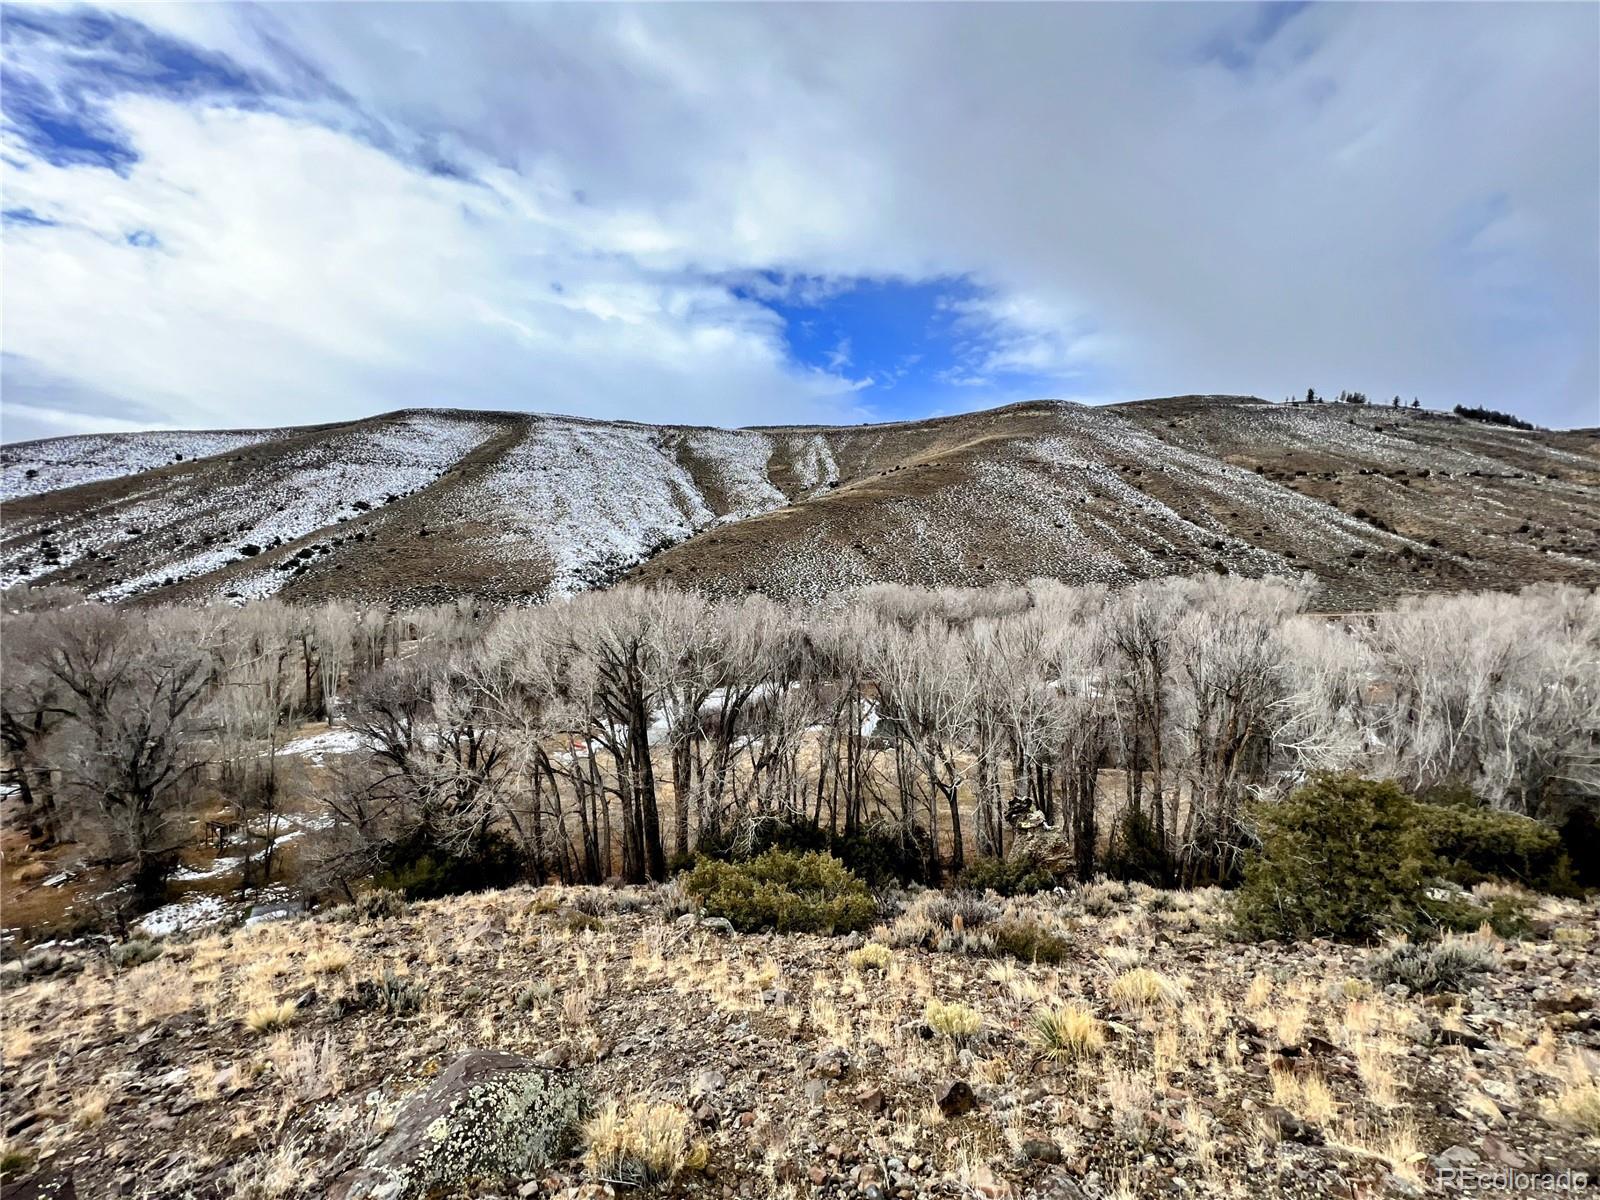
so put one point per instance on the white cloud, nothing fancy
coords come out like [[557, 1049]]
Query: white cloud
[[300, 274], [1156, 199]]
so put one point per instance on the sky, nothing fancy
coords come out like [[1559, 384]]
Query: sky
[[258, 215]]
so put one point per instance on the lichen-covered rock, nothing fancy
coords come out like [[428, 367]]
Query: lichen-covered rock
[[489, 1116]]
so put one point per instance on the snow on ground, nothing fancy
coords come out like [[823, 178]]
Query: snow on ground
[[592, 495], [814, 465], [218, 868], [192, 912], [313, 746], [600, 498], [312, 489], [31, 468], [738, 460]]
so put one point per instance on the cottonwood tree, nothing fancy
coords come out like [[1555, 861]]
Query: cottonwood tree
[[132, 685]]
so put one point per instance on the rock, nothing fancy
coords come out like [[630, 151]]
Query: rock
[[1292, 1128], [488, 1115], [708, 1083], [956, 1098], [870, 1097], [1567, 1002], [1496, 1151], [1455, 1156], [832, 1063], [1462, 1037], [1041, 1150]]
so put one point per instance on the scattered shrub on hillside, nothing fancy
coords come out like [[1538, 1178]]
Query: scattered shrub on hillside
[[1342, 857], [881, 857], [1066, 1033], [874, 956], [936, 920], [1021, 875], [422, 871], [1027, 938], [1101, 899], [391, 994], [38, 964], [647, 1143], [1473, 843], [380, 904], [812, 893], [954, 1020], [132, 953], [1443, 966], [1135, 854]]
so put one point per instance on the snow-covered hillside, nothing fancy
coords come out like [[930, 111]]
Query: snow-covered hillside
[[423, 506]]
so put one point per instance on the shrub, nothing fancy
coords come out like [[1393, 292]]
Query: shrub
[[1136, 854], [1101, 899], [1027, 939], [954, 1020], [1473, 844], [422, 871], [1505, 913], [391, 994], [1141, 989], [378, 905], [1444, 966], [1066, 1033], [880, 857], [874, 956], [1342, 857], [132, 953], [1019, 876], [787, 892], [648, 1143]]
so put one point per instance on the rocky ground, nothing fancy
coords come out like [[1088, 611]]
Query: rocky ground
[[275, 1060]]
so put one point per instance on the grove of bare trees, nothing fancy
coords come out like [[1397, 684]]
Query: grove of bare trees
[[612, 733]]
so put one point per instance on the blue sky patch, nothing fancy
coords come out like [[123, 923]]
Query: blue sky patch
[[25, 217], [63, 120], [914, 344]]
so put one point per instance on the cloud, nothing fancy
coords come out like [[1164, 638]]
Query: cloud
[[608, 209]]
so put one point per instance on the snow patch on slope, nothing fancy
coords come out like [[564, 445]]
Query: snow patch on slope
[[33, 468]]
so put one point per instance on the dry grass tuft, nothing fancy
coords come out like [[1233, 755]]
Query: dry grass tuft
[[1067, 1033], [954, 1020], [270, 1016], [874, 956], [1577, 1104], [645, 1144], [1306, 1096], [89, 1106], [1142, 989], [329, 960]]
